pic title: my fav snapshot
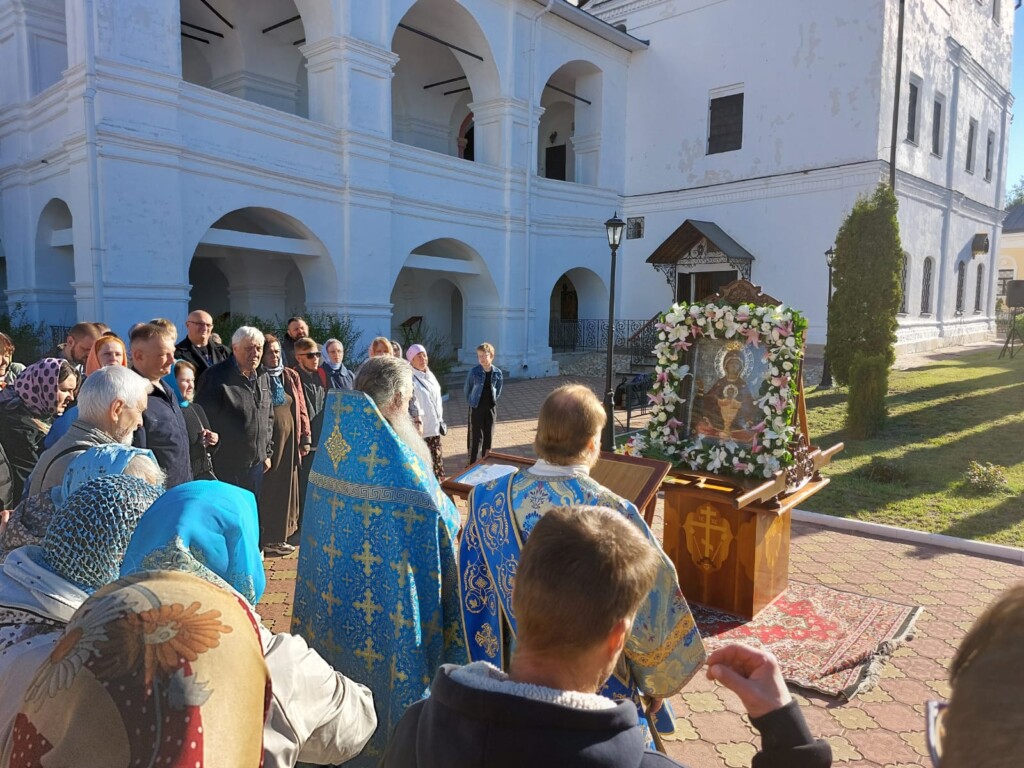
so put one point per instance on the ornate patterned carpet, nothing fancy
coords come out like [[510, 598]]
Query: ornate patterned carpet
[[827, 641]]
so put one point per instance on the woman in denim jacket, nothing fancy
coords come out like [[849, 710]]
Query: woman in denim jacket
[[482, 389]]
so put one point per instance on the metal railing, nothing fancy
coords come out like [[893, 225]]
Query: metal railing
[[591, 335]]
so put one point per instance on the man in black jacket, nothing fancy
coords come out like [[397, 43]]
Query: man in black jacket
[[584, 572], [196, 347], [163, 428], [314, 388], [236, 398]]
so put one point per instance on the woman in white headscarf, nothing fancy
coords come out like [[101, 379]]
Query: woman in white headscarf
[[427, 390]]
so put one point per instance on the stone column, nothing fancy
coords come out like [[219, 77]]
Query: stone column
[[350, 84], [33, 48]]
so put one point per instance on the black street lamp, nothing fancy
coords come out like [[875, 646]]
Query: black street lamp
[[613, 227], [826, 369]]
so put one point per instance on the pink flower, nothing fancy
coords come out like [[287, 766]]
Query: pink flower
[[656, 399], [682, 345], [663, 377], [758, 428], [673, 424], [751, 335]]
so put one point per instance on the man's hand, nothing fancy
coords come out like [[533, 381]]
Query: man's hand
[[655, 707], [210, 437], [5, 515], [751, 674], [303, 451], [266, 465]]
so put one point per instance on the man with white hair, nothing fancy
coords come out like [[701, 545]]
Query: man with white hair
[[236, 398], [110, 407], [388, 382]]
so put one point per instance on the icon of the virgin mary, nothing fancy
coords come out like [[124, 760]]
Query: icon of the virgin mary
[[728, 411]]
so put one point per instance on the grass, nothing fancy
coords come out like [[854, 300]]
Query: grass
[[913, 474]]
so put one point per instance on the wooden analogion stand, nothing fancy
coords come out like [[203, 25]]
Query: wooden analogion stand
[[729, 535]]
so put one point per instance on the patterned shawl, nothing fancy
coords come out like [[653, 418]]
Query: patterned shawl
[[199, 526], [111, 459], [37, 387], [156, 669], [89, 533]]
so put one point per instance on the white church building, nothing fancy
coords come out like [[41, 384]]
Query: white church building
[[454, 160]]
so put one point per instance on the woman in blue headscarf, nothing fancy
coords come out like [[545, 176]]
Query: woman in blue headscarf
[[202, 441], [211, 530]]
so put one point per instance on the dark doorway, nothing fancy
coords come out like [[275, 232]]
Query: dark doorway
[[694, 286], [554, 162], [468, 153]]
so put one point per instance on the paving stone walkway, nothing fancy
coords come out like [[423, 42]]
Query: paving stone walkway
[[883, 728]]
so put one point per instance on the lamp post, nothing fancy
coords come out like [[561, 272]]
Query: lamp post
[[613, 228], [826, 369]]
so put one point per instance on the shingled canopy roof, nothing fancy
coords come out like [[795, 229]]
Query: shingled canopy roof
[[678, 244]]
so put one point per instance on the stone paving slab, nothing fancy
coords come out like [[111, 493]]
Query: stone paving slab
[[883, 728]]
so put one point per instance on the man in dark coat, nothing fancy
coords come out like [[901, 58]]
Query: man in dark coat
[[196, 347], [295, 330], [583, 574], [163, 428], [236, 398]]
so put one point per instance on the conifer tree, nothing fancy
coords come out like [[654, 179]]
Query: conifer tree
[[868, 291]]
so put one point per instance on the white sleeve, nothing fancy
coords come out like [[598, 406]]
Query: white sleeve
[[317, 715]]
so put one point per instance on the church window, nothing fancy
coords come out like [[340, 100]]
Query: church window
[[1004, 277], [903, 284], [912, 100], [926, 287], [961, 277], [972, 137], [725, 123], [937, 109], [990, 147], [979, 288]]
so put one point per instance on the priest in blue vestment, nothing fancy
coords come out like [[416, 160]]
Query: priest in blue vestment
[[377, 587], [664, 650]]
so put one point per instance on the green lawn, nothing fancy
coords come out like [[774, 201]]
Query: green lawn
[[940, 417]]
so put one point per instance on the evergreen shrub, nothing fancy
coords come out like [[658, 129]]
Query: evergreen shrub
[[869, 383], [31, 341]]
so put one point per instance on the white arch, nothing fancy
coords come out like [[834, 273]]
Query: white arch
[[258, 250], [572, 98], [54, 263]]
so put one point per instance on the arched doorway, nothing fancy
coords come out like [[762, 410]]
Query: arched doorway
[[259, 261], [55, 265], [248, 50], [569, 134], [446, 285], [444, 66], [578, 304]]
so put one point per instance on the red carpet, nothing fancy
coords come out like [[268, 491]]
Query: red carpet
[[827, 641]]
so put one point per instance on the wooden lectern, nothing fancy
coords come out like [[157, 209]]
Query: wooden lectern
[[729, 536]]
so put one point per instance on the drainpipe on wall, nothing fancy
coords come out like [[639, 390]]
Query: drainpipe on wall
[[96, 238], [531, 165]]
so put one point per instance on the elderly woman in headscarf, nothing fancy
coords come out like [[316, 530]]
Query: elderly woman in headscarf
[[157, 669], [108, 350], [31, 518], [279, 498], [210, 530], [27, 409], [42, 586], [427, 391]]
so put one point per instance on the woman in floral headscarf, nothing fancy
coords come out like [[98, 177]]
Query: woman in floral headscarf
[[210, 530], [27, 409], [42, 586], [157, 669]]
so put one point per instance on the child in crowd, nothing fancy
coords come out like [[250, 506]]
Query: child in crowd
[[482, 389]]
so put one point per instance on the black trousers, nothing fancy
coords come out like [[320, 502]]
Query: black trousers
[[481, 429]]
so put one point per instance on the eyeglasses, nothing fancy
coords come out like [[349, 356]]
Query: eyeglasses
[[934, 714], [310, 354]]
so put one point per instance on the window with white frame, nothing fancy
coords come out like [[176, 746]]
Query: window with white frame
[[913, 112], [979, 288], [961, 278], [990, 149], [1004, 277], [725, 120], [972, 138], [926, 287], [938, 109]]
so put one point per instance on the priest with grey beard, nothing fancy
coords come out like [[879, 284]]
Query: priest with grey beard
[[376, 588], [388, 382]]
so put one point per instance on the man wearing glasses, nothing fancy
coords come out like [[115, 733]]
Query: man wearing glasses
[[314, 387], [196, 347]]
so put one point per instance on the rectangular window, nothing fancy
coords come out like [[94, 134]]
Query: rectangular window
[[996, 8], [725, 123], [990, 148], [912, 96], [937, 109], [1005, 276], [972, 135]]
